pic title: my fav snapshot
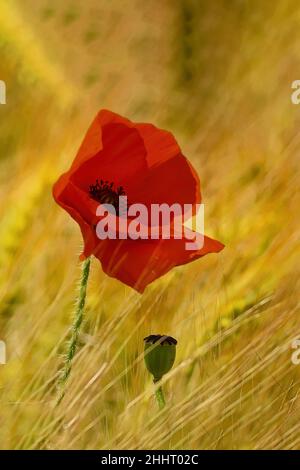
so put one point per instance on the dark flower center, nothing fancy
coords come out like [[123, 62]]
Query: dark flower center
[[105, 193]]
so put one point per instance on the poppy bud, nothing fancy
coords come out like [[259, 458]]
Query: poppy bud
[[160, 352]]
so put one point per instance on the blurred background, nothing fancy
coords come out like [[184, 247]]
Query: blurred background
[[218, 75]]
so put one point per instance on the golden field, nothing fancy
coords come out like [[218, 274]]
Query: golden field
[[218, 75]]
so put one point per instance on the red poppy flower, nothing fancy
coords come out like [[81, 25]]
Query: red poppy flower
[[119, 157]]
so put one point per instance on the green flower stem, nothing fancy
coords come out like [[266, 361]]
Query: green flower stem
[[77, 322], [159, 394]]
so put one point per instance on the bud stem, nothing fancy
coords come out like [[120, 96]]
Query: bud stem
[[77, 322], [160, 396]]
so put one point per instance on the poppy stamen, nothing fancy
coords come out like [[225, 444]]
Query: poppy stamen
[[106, 193]]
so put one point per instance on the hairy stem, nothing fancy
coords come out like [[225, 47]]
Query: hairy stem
[[77, 322]]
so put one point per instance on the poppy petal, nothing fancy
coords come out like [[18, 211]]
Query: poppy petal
[[138, 263], [171, 178], [122, 160], [92, 142], [68, 197]]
